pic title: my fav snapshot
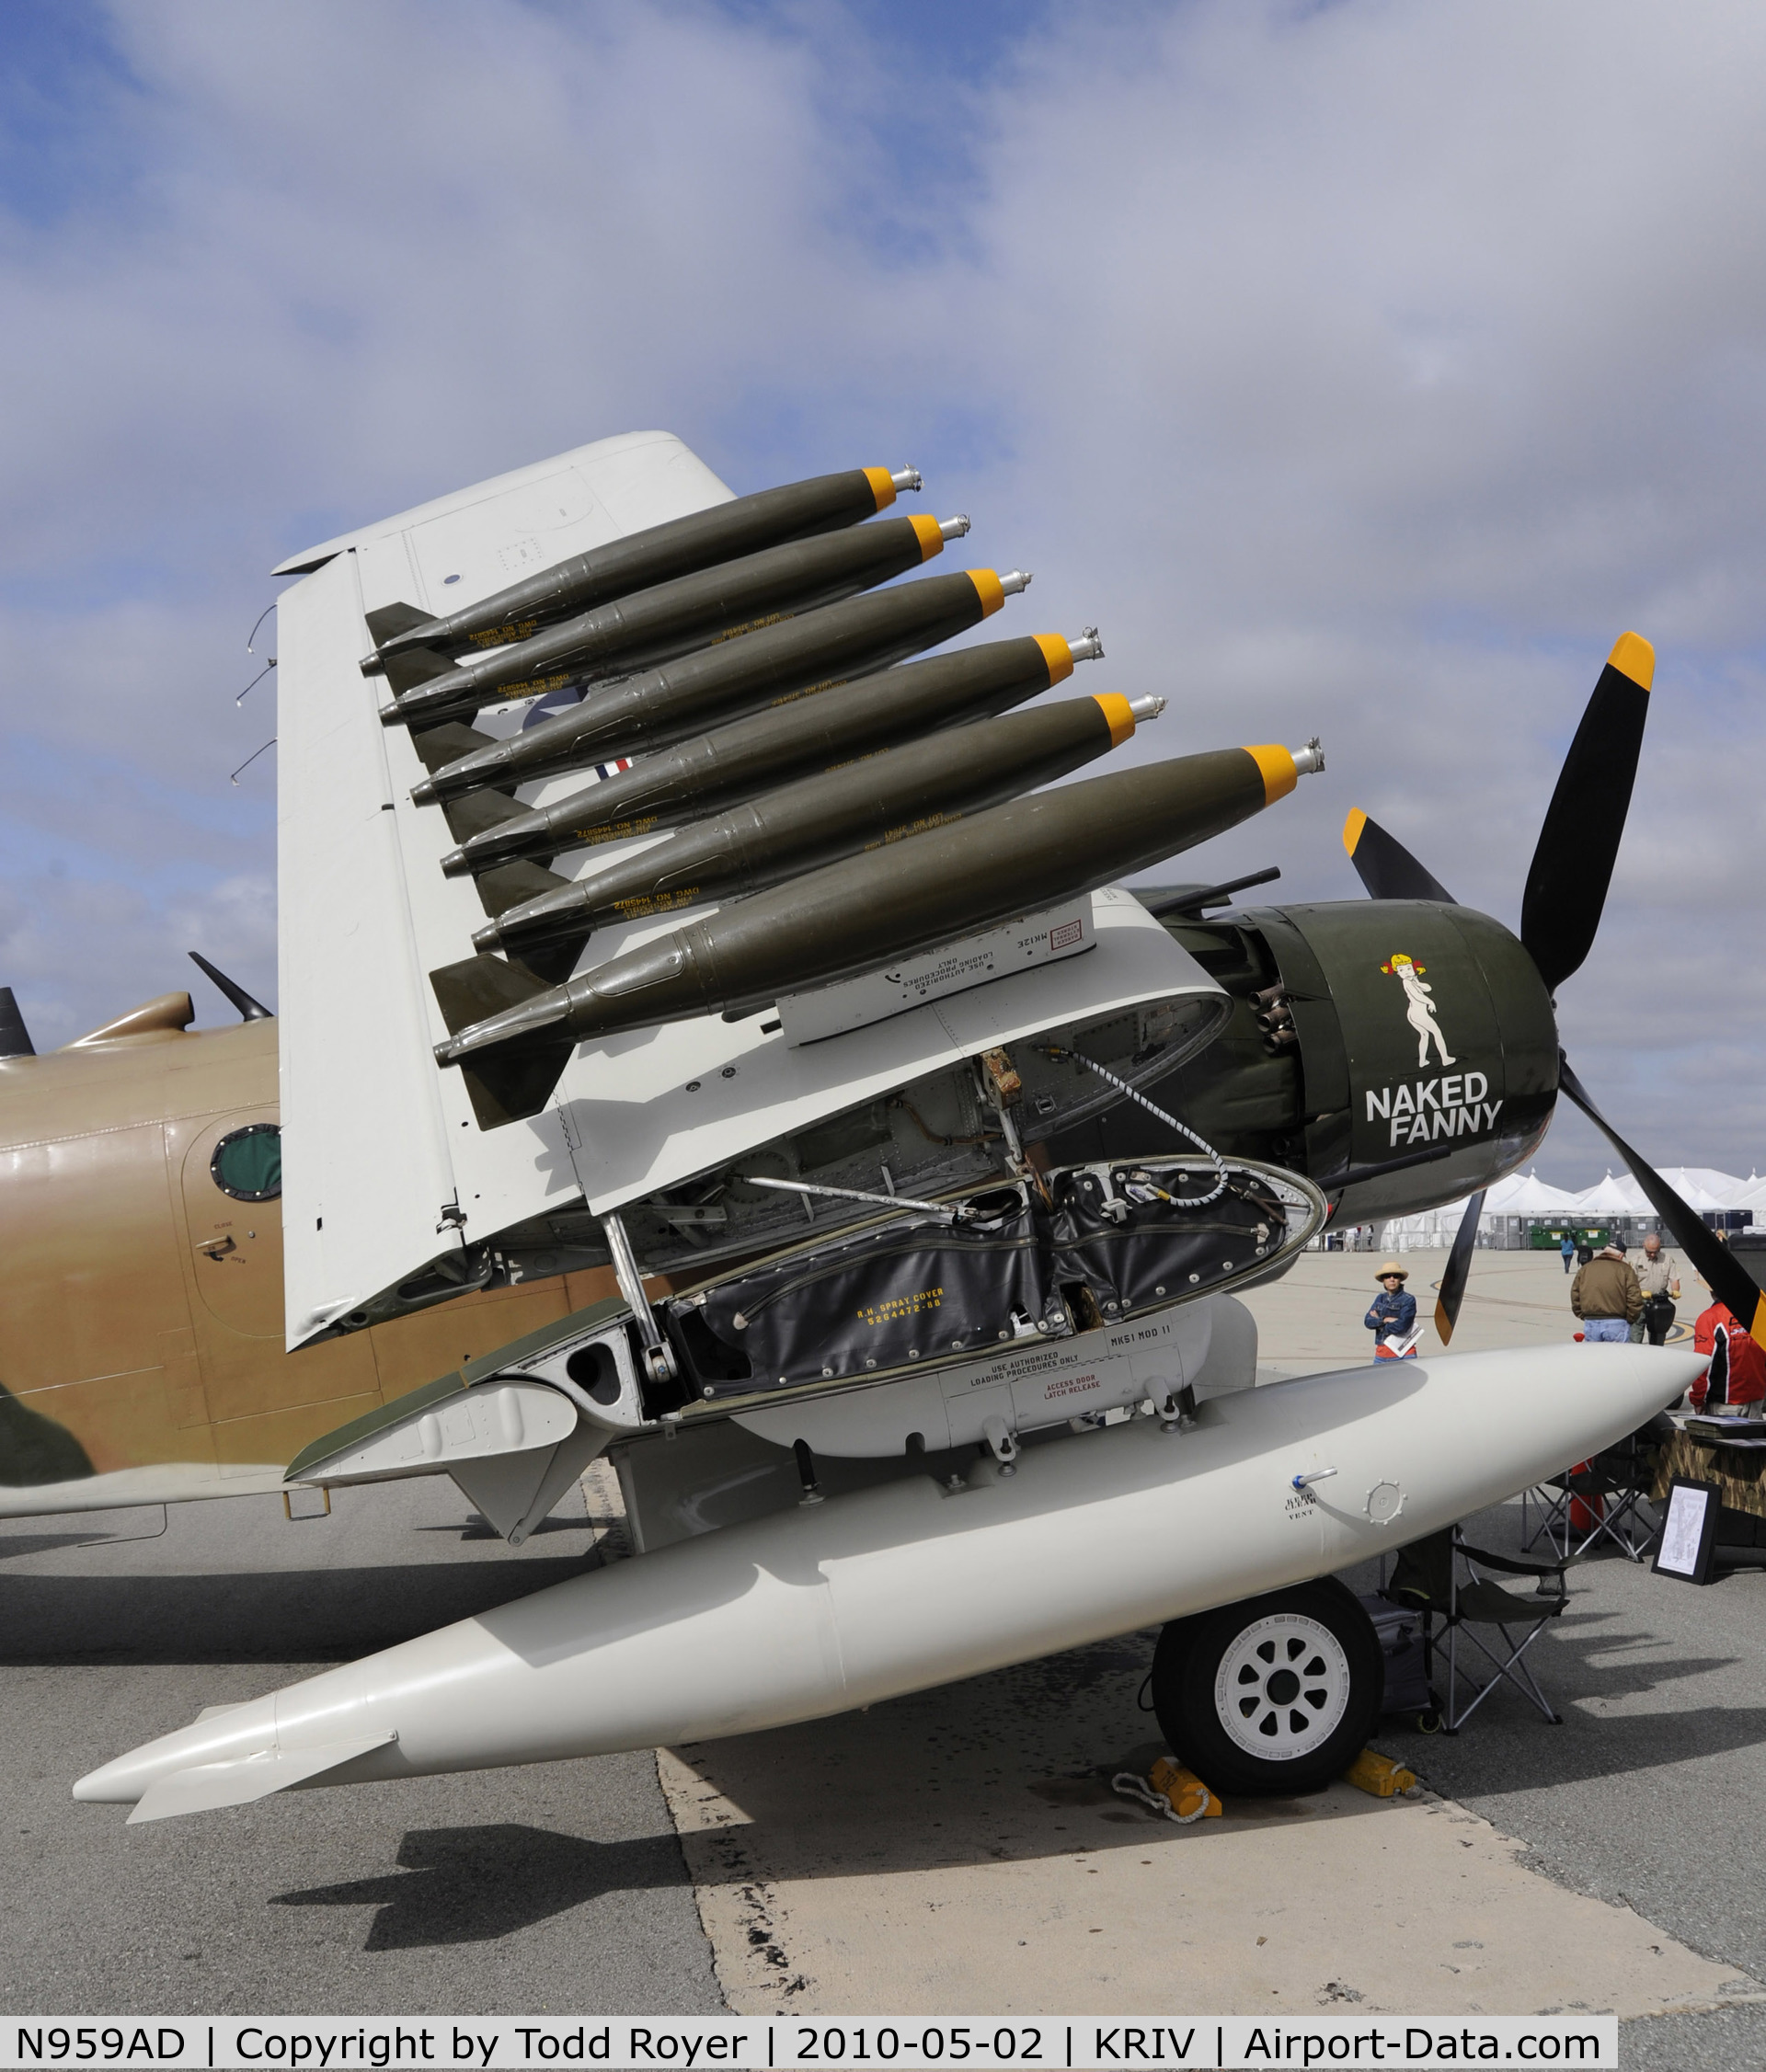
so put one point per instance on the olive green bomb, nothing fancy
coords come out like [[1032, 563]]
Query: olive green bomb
[[709, 771], [868, 804], [512, 1033], [674, 618], [794, 511]]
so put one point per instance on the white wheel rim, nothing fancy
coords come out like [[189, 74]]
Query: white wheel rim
[[1282, 1687]]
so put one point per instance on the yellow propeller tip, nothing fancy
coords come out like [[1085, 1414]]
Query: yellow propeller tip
[[1633, 656], [1352, 828]]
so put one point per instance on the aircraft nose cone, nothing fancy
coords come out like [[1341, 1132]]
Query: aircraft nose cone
[[1618, 1386], [118, 1783], [225, 1734]]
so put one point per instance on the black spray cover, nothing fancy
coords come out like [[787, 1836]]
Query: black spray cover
[[1134, 1251], [915, 1290]]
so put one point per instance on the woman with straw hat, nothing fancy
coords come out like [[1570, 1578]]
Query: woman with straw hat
[[1394, 1314]]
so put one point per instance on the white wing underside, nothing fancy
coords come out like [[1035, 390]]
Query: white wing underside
[[381, 1151]]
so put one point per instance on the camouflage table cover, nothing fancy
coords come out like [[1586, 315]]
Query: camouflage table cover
[[1738, 1474]]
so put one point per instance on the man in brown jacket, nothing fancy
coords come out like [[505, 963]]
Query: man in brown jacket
[[1608, 1298]]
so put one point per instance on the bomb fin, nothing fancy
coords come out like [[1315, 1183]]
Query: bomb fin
[[478, 987], [511, 1088], [447, 743], [412, 666], [514, 1080], [512, 883], [477, 812]]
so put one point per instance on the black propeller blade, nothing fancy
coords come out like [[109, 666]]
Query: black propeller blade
[[1572, 866], [1459, 1267], [249, 1009], [15, 1038], [1561, 908], [1386, 867], [1730, 1281]]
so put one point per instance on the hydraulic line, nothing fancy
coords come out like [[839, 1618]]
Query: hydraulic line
[[1183, 1128]]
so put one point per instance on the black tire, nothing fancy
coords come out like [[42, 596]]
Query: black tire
[[1307, 1689]]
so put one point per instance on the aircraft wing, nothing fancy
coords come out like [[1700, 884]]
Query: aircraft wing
[[393, 1197]]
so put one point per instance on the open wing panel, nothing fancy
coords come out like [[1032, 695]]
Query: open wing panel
[[390, 1183], [373, 1176]]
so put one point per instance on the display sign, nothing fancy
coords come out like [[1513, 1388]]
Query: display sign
[[1689, 1532]]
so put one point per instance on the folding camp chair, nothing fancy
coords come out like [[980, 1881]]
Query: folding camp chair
[[1612, 1489], [1426, 1577], [1551, 1500]]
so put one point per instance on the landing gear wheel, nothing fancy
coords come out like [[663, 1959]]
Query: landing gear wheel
[[1276, 1695]]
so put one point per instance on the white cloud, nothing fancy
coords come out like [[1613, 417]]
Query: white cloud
[[1361, 370]]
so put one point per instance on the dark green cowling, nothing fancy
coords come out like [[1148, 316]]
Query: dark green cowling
[[1337, 1090]]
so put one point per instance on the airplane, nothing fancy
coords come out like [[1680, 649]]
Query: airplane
[[925, 1159], [140, 1272]]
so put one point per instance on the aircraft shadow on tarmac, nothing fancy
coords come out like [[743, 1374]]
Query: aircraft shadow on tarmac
[[14, 1546], [1508, 1747], [312, 1615], [479, 1528], [476, 1884]]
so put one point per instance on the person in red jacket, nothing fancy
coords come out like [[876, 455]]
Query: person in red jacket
[[1735, 1383]]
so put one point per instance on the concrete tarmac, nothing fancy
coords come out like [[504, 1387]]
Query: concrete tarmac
[[954, 1851], [504, 1892], [962, 1847]]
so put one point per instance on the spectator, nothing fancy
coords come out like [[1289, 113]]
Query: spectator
[[1567, 1248], [1606, 1296], [1734, 1385], [1394, 1316], [1659, 1278]]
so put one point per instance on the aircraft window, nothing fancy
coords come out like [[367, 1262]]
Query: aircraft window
[[247, 1163]]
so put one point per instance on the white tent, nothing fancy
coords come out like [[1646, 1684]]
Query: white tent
[[1702, 1188], [1434, 1229], [1719, 1190], [1431, 1230], [1610, 1197], [1525, 1193]]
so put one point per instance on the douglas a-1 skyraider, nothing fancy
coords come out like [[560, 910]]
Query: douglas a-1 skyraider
[[657, 914]]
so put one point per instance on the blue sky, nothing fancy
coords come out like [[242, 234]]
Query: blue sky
[[1363, 371]]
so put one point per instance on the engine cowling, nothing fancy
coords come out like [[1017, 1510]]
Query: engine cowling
[[1400, 1054]]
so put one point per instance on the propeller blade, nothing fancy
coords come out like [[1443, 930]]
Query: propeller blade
[[249, 1009], [1730, 1280], [1459, 1268], [1386, 867], [1572, 866]]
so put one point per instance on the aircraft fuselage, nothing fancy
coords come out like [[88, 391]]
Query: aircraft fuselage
[[142, 1360]]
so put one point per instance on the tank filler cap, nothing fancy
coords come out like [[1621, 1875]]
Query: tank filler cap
[[1088, 647], [1310, 759], [1015, 581], [954, 528]]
